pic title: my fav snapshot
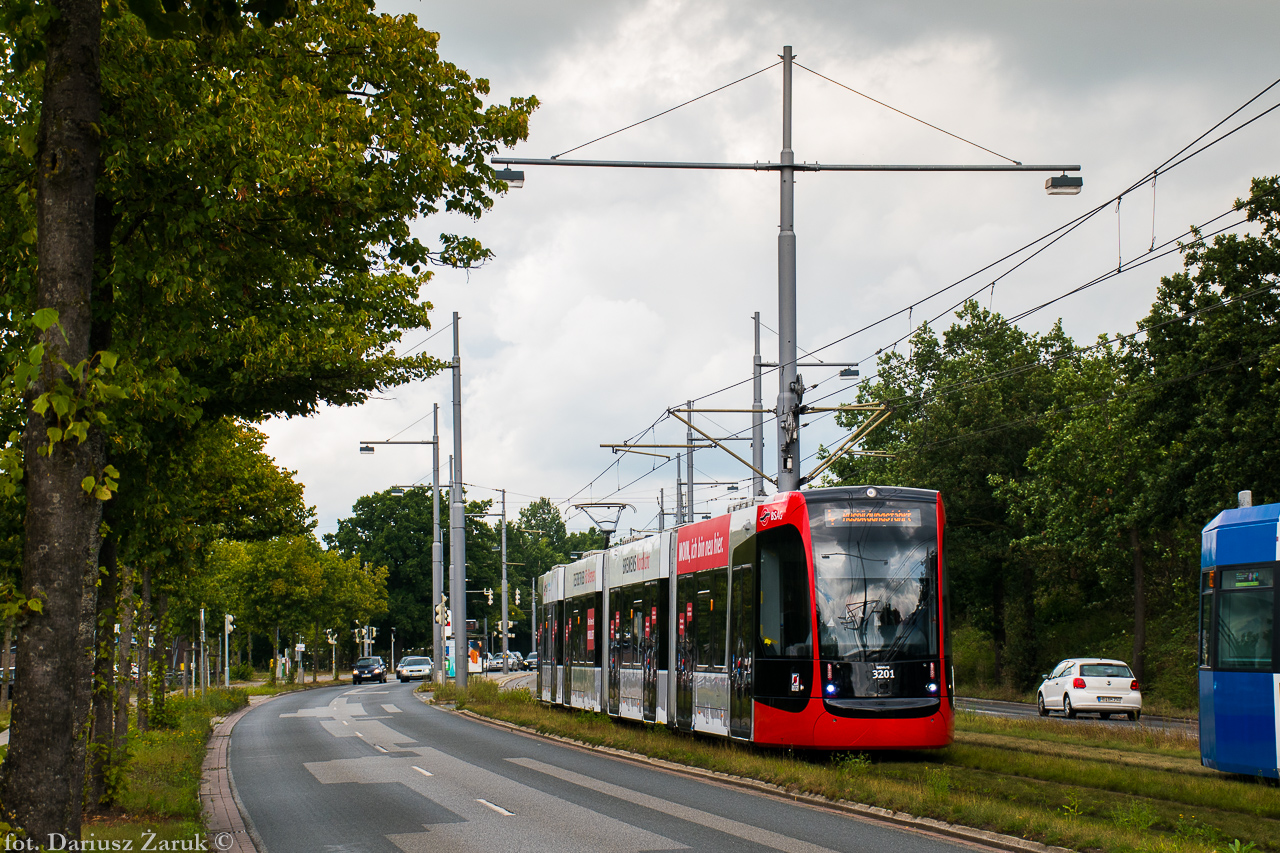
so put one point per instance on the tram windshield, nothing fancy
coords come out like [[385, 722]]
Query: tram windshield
[[875, 571]]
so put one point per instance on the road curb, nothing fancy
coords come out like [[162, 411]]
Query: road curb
[[862, 810]]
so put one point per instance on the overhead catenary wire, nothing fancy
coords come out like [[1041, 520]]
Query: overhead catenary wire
[[1183, 155], [666, 111]]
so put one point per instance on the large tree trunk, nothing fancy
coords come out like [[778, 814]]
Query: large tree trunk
[[61, 554], [125, 669], [144, 653], [163, 657], [1139, 606], [104, 687]]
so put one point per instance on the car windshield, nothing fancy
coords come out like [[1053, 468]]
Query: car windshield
[[1105, 670], [875, 564], [413, 661], [369, 662]]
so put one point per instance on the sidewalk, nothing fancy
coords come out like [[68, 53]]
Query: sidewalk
[[227, 830]]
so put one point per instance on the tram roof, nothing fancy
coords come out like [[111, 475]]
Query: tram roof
[[1237, 536]]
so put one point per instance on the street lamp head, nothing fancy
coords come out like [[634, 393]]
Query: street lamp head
[[396, 491], [850, 372], [1064, 185], [514, 178], [366, 448]]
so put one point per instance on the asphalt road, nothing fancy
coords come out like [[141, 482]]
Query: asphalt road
[[370, 768]]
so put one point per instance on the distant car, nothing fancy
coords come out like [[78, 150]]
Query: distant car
[[1090, 686], [369, 669], [514, 663], [413, 667], [531, 662]]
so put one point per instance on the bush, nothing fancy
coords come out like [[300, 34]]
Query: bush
[[243, 672]]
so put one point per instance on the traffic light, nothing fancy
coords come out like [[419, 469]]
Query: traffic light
[[489, 593], [517, 596], [231, 623]]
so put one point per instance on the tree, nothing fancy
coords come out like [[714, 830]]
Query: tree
[[309, 148], [967, 413]]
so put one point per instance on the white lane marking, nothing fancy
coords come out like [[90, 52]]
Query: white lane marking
[[391, 709], [382, 748], [345, 723], [420, 770], [498, 809], [745, 831], [359, 735]]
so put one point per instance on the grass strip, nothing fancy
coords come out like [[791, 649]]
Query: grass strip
[[1174, 742], [1066, 800]]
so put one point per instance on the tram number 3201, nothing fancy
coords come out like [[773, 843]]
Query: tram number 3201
[[882, 673]]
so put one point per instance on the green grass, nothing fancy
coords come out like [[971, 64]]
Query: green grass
[[1113, 789]]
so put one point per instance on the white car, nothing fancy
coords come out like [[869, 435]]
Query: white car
[[410, 668], [1090, 686]]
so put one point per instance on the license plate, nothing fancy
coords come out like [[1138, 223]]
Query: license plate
[[1108, 698]]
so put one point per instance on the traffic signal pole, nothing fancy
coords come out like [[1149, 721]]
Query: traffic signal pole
[[502, 623]]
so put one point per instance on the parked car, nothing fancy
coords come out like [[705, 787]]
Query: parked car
[[1090, 686], [514, 663], [531, 662], [369, 669], [410, 668]]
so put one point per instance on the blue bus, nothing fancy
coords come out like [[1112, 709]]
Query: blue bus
[[1238, 654]]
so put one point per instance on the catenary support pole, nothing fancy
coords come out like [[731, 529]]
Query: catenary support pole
[[688, 461], [457, 524], [788, 417], [437, 551], [757, 419]]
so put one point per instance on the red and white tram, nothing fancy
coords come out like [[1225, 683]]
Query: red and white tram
[[812, 619]]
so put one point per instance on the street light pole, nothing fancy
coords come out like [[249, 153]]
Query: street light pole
[[788, 416], [437, 552], [502, 622], [457, 525], [790, 391]]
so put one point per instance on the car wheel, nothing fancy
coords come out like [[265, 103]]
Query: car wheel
[[1066, 706], [1105, 716], [355, 680], [1044, 712], [1134, 715], [384, 679]]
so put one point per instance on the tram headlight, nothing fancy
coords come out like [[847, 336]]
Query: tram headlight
[[871, 493], [831, 689], [931, 687]]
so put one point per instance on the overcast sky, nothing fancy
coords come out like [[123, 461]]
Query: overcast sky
[[615, 294]]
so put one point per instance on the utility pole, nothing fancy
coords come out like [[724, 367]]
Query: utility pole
[[437, 551], [502, 622], [662, 510], [790, 384], [689, 463], [788, 401], [457, 524], [757, 421], [679, 495]]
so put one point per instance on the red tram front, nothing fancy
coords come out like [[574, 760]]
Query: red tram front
[[811, 619]]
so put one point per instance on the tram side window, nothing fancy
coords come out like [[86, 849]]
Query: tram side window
[[1206, 617], [785, 610], [1245, 625], [711, 620]]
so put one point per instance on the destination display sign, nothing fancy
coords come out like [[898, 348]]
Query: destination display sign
[[1246, 578], [883, 516]]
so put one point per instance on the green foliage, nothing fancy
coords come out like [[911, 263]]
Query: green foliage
[[243, 672], [1070, 474]]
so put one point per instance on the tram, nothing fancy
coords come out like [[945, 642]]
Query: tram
[[1238, 654], [814, 619]]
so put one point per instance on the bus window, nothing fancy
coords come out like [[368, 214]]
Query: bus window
[[1246, 610]]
